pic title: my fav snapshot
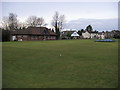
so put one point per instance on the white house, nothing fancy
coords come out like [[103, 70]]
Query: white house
[[75, 35], [101, 35], [86, 34], [93, 35]]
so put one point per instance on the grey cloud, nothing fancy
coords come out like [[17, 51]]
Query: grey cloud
[[97, 24]]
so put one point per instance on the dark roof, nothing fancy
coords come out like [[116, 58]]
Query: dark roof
[[66, 32], [34, 31]]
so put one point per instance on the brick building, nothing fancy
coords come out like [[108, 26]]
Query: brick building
[[32, 34]]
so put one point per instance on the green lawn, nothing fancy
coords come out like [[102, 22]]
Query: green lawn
[[82, 64]]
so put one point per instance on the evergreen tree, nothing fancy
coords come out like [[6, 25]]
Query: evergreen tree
[[89, 28]]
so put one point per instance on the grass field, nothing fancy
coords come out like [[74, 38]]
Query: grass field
[[60, 64]]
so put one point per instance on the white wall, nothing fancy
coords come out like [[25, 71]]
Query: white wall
[[93, 35], [86, 35], [102, 36]]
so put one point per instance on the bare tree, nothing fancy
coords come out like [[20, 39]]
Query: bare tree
[[61, 21], [40, 21], [57, 23], [5, 22], [32, 21], [10, 22], [35, 21], [13, 21]]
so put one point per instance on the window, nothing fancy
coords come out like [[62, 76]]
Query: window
[[25, 36], [49, 37], [34, 37], [19, 36]]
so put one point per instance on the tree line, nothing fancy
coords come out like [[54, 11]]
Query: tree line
[[11, 22]]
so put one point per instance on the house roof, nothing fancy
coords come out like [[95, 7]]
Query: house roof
[[34, 31], [66, 32], [75, 34]]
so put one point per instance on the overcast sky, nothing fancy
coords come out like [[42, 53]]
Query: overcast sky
[[72, 10]]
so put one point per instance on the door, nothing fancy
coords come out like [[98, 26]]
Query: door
[[13, 38]]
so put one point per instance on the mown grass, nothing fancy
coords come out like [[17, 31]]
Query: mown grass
[[82, 64]]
